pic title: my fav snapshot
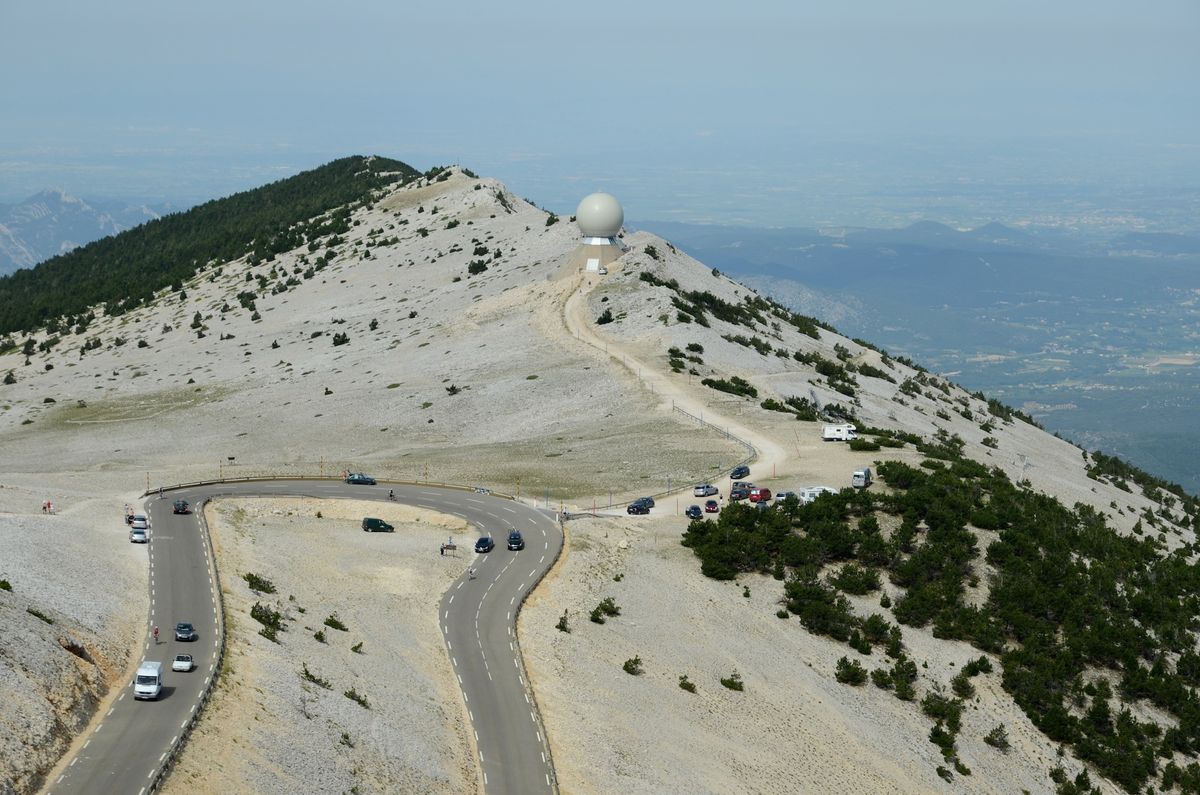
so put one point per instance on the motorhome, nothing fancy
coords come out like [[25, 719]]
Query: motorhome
[[839, 433], [148, 682], [861, 478], [810, 493]]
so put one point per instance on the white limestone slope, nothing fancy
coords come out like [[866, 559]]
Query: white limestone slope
[[504, 379]]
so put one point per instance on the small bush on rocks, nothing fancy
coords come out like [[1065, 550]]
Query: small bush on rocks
[[733, 682], [687, 684], [633, 666]]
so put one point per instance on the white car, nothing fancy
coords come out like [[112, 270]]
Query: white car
[[138, 536], [139, 522], [183, 662], [706, 490]]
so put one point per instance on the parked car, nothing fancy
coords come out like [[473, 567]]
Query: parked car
[[185, 631], [515, 541], [137, 536], [742, 471], [637, 508], [180, 506], [693, 512], [359, 479], [647, 501], [372, 525], [783, 496], [762, 494], [739, 494], [182, 662], [139, 522], [706, 490], [712, 506], [742, 484], [485, 544]]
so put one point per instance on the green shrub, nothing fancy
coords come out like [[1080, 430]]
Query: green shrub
[[309, 676], [961, 685], [38, 614], [633, 666], [850, 672], [733, 682], [854, 579], [997, 737], [357, 697], [687, 684], [605, 317], [357, 648], [882, 679], [5, 585], [333, 622], [319, 635], [259, 584]]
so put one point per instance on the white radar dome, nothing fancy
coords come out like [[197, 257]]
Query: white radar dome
[[599, 215]]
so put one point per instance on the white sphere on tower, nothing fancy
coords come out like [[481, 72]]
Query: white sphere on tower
[[599, 215]]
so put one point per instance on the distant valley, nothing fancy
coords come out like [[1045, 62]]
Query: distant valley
[[1096, 338], [54, 222]]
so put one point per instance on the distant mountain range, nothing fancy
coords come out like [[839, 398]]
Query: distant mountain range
[[54, 222], [1097, 339]]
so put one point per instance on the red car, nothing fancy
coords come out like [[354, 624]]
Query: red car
[[711, 506], [760, 495]]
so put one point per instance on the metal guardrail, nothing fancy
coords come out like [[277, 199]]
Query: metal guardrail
[[166, 765], [335, 479]]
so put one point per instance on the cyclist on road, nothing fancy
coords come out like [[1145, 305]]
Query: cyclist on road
[[156, 635]]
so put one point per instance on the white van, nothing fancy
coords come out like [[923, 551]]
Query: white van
[[810, 493], [861, 478], [839, 433], [148, 682]]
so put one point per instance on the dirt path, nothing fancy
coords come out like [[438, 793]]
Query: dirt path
[[767, 452]]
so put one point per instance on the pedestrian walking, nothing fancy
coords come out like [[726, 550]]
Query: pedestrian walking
[[442, 550]]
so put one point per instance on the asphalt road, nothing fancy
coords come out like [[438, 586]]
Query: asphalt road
[[477, 615]]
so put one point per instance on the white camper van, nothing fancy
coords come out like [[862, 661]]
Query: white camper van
[[839, 433], [810, 493], [148, 683], [861, 478]]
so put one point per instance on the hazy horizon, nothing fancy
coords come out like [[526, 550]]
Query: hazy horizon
[[769, 114]]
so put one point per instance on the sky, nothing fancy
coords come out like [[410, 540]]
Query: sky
[[771, 113]]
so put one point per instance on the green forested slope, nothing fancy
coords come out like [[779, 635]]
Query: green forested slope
[[126, 270]]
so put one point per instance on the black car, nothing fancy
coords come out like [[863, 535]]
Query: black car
[[742, 471], [185, 631], [376, 526], [359, 479], [485, 544], [180, 506], [739, 494], [515, 541], [693, 512], [637, 508]]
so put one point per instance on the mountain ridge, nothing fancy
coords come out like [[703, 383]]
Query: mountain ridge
[[427, 338]]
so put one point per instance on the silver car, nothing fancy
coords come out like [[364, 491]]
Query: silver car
[[138, 536], [139, 522], [706, 490]]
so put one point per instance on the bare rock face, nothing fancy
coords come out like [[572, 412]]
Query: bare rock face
[[50, 686]]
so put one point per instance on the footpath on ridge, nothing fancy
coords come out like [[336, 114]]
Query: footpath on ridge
[[768, 453]]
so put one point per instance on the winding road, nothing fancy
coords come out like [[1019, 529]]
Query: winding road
[[129, 750]]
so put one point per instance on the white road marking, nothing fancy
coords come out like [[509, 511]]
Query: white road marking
[[539, 734], [542, 559], [526, 698], [510, 510], [85, 745], [164, 756], [532, 572], [73, 761], [64, 775], [547, 775], [110, 711], [533, 522], [151, 774], [176, 737], [98, 728], [489, 673], [451, 601], [510, 601], [521, 587], [122, 698], [454, 660]]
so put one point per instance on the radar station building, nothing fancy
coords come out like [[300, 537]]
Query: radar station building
[[599, 217]]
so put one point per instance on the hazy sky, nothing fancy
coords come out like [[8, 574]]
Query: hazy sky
[[665, 103]]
